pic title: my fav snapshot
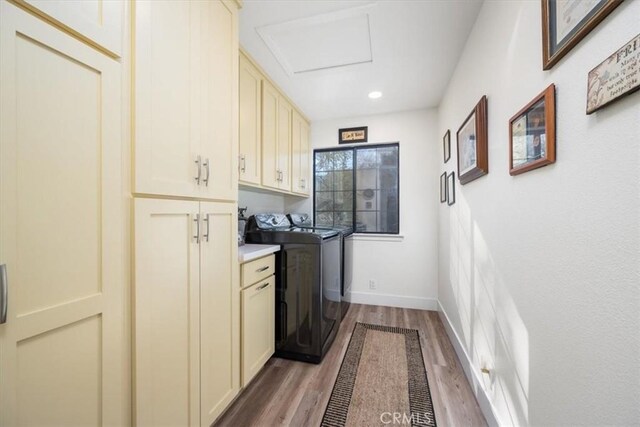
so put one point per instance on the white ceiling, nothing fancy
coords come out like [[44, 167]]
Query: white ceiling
[[328, 55]]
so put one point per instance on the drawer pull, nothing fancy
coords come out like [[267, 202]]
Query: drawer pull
[[260, 270], [262, 287]]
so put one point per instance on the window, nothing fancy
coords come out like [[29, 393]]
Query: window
[[358, 187]]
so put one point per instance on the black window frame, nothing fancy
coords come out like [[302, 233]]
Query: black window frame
[[354, 148]]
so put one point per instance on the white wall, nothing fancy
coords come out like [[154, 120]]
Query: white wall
[[259, 201], [539, 274], [405, 269]]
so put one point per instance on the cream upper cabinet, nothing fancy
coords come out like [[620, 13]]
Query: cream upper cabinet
[[185, 98], [300, 155], [187, 333], [98, 21], [61, 235], [219, 103], [285, 112], [250, 156], [276, 139]]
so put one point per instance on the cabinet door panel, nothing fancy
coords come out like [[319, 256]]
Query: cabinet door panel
[[219, 98], [167, 107], [99, 21], [258, 327], [62, 347], [305, 158], [284, 143], [250, 125], [167, 310], [219, 292], [300, 155], [270, 136]]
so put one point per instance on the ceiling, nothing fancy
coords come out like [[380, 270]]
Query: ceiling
[[328, 55]]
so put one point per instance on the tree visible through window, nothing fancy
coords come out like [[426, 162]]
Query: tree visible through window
[[358, 187]]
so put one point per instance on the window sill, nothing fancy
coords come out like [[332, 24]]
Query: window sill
[[378, 237]]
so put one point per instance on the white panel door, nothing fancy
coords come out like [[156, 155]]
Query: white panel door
[[258, 327], [166, 98], [270, 170], [99, 21], [61, 228], [299, 154], [220, 309], [167, 310], [250, 125], [219, 99]]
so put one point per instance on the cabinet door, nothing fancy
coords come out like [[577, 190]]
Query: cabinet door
[[300, 155], [62, 346], [285, 112], [219, 99], [270, 136], [220, 309], [167, 313], [99, 21], [258, 327], [167, 100], [250, 115]]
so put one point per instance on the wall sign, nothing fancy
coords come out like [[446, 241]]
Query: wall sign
[[352, 135], [617, 76]]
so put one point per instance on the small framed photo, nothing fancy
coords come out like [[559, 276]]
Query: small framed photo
[[473, 156], [353, 135], [443, 187], [566, 22], [532, 134], [451, 188], [446, 146]]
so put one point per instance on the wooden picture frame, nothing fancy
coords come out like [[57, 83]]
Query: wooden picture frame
[[532, 134], [451, 188], [353, 135], [472, 144], [443, 187], [570, 24], [446, 146]]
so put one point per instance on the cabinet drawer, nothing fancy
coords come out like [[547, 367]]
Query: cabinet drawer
[[258, 327], [256, 270]]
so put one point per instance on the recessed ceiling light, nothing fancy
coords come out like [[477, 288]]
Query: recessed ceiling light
[[375, 94]]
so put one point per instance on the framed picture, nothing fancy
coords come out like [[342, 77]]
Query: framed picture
[[532, 134], [566, 22], [613, 78], [473, 157], [443, 187], [451, 188], [446, 146], [353, 135]]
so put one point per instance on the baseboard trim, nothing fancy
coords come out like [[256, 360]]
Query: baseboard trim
[[473, 377], [420, 303]]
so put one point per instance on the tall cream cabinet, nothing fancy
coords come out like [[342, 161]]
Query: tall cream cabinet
[[185, 98], [186, 311], [276, 139], [99, 22], [62, 344], [301, 155], [250, 156]]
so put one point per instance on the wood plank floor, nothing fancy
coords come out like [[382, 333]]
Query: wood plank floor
[[295, 394]]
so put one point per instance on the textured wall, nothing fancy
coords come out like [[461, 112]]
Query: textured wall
[[540, 273]]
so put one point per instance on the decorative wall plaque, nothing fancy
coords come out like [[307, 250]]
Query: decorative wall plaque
[[617, 76], [352, 135]]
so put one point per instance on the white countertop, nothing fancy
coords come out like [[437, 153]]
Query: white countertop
[[251, 251]]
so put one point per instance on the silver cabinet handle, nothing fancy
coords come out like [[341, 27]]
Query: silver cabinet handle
[[303, 183], [196, 219], [260, 270], [4, 293], [206, 220], [199, 164], [243, 162], [206, 168], [262, 287]]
